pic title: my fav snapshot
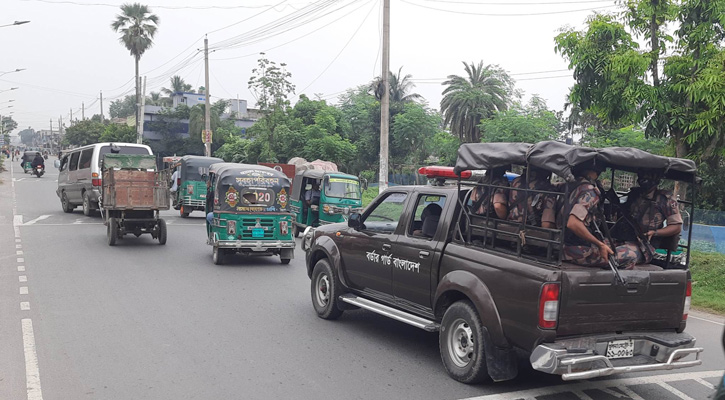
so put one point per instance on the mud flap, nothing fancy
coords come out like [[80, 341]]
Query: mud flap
[[501, 362], [287, 253]]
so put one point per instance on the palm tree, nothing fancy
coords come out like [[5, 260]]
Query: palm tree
[[177, 86], [468, 100], [399, 88], [155, 99], [137, 27]]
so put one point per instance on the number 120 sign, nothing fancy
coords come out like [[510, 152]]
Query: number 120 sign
[[206, 136]]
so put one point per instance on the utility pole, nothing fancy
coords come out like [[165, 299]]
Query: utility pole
[[206, 136], [83, 111], [385, 101], [71, 117], [101, 106], [142, 112]]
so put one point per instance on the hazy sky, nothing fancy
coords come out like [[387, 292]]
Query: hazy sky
[[70, 52]]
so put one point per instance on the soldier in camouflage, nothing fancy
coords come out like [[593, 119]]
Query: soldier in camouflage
[[541, 207], [651, 208], [497, 197], [581, 244]]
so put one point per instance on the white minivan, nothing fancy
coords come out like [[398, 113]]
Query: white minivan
[[79, 180]]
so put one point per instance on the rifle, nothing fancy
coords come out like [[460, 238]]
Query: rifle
[[611, 259]]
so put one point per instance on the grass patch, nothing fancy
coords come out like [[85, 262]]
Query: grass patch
[[708, 281]]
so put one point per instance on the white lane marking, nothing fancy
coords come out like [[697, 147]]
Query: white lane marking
[[17, 220], [23, 290], [18, 240], [17, 231], [707, 320], [18, 246], [18, 252], [18, 179], [629, 392], [21, 268], [581, 395], [22, 278], [69, 224], [78, 221], [674, 391], [705, 383], [21, 260], [32, 221], [587, 385], [24, 306], [32, 372]]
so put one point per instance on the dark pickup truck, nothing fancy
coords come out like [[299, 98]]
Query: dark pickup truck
[[401, 260]]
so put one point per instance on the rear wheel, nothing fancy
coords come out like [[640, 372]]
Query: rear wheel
[[162, 232], [112, 231], [326, 290], [461, 343], [87, 209], [67, 207], [183, 212], [217, 255], [295, 230]]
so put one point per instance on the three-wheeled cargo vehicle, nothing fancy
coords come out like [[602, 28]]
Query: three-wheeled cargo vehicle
[[247, 212], [337, 196], [191, 183], [27, 161], [133, 194]]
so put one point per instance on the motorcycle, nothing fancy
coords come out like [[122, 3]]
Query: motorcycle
[[39, 171]]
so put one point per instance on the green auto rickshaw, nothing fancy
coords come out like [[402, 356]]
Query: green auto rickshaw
[[27, 161], [323, 197], [190, 194], [248, 212]]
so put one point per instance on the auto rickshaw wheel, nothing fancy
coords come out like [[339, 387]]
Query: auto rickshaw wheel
[[295, 230], [183, 212], [218, 255], [162, 232], [112, 231]]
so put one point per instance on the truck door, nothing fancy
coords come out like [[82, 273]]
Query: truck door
[[366, 253], [414, 252]]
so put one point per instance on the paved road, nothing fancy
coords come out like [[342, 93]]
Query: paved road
[[81, 320]]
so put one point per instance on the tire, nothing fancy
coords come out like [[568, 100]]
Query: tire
[[217, 255], [65, 204], [162, 232], [183, 213], [461, 343], [286, 261], [112, 231], [295, 230], [326, 290], [87, 209]]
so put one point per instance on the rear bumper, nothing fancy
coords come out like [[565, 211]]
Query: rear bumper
[[254, 245], [584, 357], [196, 203]]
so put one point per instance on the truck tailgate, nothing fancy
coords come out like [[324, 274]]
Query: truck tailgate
[[591, 302]]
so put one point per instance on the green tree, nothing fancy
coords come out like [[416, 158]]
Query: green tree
[[234, 150], [400, 88], [8, 124], [528, 123], [177, 86], [123, 108], [137, 27], [84, 132], [477, 96], [118, 133], [412, 131]]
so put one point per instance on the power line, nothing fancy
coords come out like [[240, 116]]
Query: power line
[[208, 7], [493, 3], [246, 19], [343, 48], [507, 14]]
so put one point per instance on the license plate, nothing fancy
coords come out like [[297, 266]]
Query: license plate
[[258, 232], [620, 349]]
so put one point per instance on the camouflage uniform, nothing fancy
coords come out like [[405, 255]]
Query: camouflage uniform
[[584, 200], [499, 194], [650, 215], [541, 207]]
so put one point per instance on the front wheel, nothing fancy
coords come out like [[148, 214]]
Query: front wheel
[[162, 232], [325, 289], [461, 343], [112, 231]]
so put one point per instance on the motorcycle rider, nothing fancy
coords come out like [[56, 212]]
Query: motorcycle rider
[[38, 160]]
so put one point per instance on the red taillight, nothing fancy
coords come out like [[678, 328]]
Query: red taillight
[[96, 182], [688, 298], [442, 172], [549, 306]]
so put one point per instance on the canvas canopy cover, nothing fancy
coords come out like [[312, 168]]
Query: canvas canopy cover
[[249, 188], [129, 161], [560, 158], [193, 167]]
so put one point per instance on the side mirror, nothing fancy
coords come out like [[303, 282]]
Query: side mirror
[[56, 163], [355, 221]]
